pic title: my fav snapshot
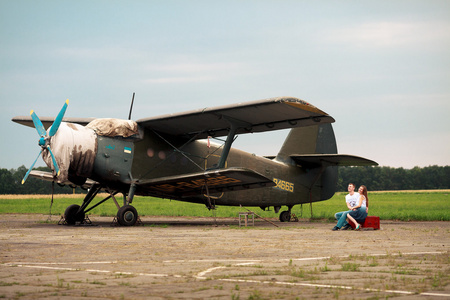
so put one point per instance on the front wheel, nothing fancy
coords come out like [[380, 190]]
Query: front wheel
[[71, 215], [127, 215]]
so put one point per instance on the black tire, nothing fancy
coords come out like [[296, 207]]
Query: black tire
[[127, 215], [72, 216], [285, 216]]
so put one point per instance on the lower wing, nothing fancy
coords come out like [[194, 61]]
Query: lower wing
[[202, 183], [48, 176]]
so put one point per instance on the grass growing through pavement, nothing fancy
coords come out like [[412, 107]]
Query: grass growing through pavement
[[405, 206], [414, 273]]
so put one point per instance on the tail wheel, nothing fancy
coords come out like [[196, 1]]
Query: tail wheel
[[127, 215], [71, 215], [285, 216]]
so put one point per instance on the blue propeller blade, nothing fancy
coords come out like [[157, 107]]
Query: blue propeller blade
[[43, 141], [29, 170], [55, 165], [58, 119], [38, 124]]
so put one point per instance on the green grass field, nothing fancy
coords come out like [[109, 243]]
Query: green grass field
[[404, 206]]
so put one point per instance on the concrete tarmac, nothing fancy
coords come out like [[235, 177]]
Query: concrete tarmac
[[199, 258]]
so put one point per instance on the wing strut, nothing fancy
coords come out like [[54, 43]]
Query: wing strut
[[227, 146], [235, 125]]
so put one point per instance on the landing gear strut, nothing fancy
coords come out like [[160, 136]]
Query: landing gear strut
[[126, 216]]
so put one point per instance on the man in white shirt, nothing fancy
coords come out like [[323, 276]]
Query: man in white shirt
[[351, 200]]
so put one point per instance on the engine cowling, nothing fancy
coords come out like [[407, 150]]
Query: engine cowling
[[102, 150], [75, 148]]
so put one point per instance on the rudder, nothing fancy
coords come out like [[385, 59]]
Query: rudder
[[316, 139]]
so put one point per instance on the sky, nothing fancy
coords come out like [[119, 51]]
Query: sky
[[380, 68]]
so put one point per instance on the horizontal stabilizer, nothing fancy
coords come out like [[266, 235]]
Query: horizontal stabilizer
[[48, 176], [217, 181], [316, 160]]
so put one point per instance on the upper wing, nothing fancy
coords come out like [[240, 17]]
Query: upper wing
[[256, 116], [48, 121], [314, 160], [214, 181]]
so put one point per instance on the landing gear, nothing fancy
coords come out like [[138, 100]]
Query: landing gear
[[127, 215], [285, 216], [73, 214]]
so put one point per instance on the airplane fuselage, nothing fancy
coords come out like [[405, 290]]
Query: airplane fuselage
[[119, 161]]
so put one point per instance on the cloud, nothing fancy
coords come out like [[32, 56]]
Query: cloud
[[188, 79], [108, 53], [391, 34], [191, 72], [401, 151], [189, 67], [437, 101]]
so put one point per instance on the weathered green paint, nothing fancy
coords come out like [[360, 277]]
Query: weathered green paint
[[155, 158], [113, 161]]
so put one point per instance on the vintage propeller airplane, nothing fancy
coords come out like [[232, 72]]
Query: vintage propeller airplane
[[171, 157]]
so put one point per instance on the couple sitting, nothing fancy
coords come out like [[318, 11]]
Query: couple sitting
[[358, 205]]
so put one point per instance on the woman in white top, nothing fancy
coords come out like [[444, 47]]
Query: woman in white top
[[359, 212]]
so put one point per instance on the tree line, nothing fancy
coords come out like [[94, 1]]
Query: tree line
[[375, 178], [11, 183], [388, 179]]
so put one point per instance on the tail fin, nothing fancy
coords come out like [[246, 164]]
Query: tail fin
[[315, 146], [313, 141], [314, 149], [316, 139]]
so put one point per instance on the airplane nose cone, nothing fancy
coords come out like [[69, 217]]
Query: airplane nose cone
[[42, 142]]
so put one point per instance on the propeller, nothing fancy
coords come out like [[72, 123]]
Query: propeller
[[44, 138]]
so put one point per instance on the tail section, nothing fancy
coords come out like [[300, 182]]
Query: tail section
[[316, 140], [313, 148], [309, 140]]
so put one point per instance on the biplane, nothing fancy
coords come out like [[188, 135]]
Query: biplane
[[189, 157]]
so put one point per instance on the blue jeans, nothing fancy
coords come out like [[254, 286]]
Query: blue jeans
[[359, 215], [341, 217]]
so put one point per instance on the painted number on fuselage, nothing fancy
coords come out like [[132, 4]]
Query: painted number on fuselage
[[283, 185]]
